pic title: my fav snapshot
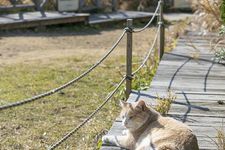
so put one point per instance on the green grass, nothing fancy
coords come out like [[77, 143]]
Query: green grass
[[41, 123]]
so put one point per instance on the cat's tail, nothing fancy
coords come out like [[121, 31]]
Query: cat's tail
[[195, 143], [192, 143]]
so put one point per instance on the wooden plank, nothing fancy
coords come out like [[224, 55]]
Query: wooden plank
[[198, 85], [203, 139], [118, 16], [181, 88], [34, 19], [194, 96], [18, 6]]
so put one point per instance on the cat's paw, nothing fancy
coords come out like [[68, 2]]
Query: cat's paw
[[107, 139]]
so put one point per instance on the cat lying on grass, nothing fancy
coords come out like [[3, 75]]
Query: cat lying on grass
[[148, 130]]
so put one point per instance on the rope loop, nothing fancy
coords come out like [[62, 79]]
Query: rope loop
[[129, 77], [128, 29], [161, 2], [160, 23]]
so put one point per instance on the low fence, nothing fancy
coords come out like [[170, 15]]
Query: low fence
[[128, 31], [15, 5], [52, 5]]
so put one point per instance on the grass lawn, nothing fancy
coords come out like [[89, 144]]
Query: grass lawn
[[33, 63], [41, 123]]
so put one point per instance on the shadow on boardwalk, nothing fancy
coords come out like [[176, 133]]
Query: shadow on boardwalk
[[199, 85]]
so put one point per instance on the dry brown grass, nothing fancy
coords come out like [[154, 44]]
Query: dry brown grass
[[207, 15], [164, 103], [6, 2], [50, 59], [221, 139], [172, 32]]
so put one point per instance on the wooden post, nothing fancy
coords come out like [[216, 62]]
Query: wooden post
[[81, 5], [162, 30], [129, 57], [98, 3], [114, 5]]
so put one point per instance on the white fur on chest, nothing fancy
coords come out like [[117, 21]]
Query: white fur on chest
[[144, 144]]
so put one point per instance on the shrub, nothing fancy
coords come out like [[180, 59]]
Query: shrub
[[207, 15], [219, 51], [222, 11]]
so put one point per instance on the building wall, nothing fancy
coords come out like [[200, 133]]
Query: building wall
[[182, 4]]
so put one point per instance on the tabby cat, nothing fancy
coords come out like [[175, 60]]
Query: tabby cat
[[148, 130]]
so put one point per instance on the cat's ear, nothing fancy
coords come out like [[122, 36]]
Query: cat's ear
[[122, 103], [141, 106], [125, 104]]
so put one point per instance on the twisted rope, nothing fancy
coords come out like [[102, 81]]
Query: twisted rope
[[104, 103], [148, 54], [149, 23], [53, 91], [88, 118]]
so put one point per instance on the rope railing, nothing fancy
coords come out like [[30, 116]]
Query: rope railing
[[88, 118], [53, 91], [128, 77], [148, 54], [73, 131], [150, 22]]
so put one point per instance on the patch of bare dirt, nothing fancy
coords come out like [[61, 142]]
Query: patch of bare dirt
[[27, 47]]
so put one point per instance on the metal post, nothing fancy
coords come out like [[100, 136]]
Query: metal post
[[114, 5], [129, 57], [81, 5], [162, 30], [98, 3]]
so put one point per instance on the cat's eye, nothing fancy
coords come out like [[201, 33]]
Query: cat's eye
[[123, 117]]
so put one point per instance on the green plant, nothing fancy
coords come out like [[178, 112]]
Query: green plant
[[220, 54], [164, 103], [222, 11], [219, 51], [143, 78]]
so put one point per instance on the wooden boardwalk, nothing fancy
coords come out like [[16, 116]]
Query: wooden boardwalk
[[35, 19], [199, 85], [118, 16]]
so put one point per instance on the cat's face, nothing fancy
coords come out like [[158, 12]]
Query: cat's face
[[134, 115]]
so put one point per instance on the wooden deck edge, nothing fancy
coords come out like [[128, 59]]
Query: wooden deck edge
[[60, 18], [45, 21], [144, 16]]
